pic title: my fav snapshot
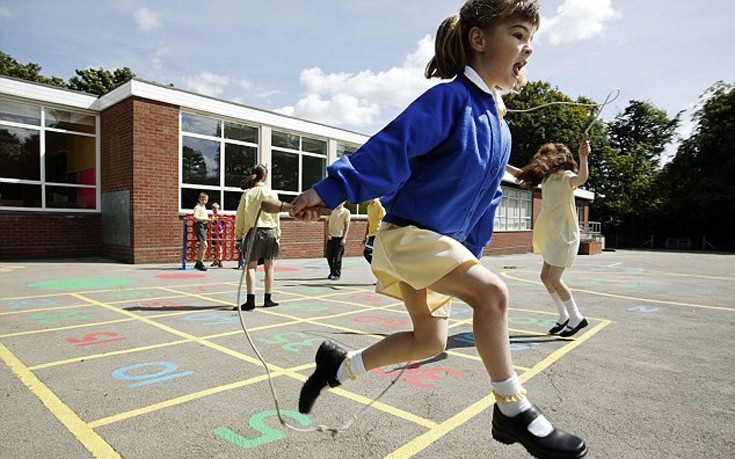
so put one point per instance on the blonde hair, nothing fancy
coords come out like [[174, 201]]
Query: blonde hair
[[452, 47]]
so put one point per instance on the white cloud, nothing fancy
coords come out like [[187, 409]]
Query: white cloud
[[362, 100], [146, 19], [5, 12], [578, 20], [207, 83]]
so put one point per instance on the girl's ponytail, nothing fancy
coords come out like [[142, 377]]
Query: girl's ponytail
[[450, 55]]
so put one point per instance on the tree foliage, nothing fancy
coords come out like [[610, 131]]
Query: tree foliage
[[29, 72], [100, 81], [553, 123], [628, 169], [92, 81], [697, 185]]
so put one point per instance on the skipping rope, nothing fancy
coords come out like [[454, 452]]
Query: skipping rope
[[611, 97]]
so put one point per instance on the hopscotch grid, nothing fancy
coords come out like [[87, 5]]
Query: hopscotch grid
[[291, 372]]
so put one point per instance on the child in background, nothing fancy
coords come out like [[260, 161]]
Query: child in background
[[556, 232], [338, 227], [218, 236], [438, 167], [201, 228], [375, 214], [267, 229]]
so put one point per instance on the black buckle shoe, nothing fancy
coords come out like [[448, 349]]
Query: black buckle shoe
[[558, 327], [245, 307], [557, 445], [328, 359], [568, 331]]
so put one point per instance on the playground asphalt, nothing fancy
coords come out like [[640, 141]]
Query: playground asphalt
[[102, 359]]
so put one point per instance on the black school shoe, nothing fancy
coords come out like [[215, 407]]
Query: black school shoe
[[558, 327], [570, 331], [328, 359], [557, 445]]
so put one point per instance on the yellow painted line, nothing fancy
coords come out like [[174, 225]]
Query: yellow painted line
[[625, 297], [180, 400], [81, 430], [421, 442], [388, 409], [52, 308], [146, 348], [106, 354], [70, 327]]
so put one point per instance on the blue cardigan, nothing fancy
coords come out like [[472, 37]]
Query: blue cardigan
[[437, 166]]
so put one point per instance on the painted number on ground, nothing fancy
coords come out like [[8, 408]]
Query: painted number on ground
[[95, 338], [292, 341], [416, 376], [258, 423], [143, 375]]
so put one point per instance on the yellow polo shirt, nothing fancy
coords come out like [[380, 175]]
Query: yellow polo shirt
[[337, 221], [248, 210]]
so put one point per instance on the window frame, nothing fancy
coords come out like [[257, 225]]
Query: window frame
[[42, 129], [222, 188]]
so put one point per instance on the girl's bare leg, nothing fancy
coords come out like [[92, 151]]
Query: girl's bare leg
[[427, 339], [268, 267], [487, 295]]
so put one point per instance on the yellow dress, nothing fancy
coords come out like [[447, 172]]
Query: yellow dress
[[556, 233]]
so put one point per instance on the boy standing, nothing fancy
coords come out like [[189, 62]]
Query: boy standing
[[338, 227]]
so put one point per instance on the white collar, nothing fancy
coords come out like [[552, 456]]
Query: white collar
[[474, 77]]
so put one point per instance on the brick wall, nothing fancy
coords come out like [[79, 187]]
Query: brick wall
[[140, 154], [49, 235]]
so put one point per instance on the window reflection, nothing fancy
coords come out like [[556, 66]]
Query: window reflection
[[19, 153], [61, 119], [200, 161], [67, 197], [198, 124], [285, 171], [70, 158]]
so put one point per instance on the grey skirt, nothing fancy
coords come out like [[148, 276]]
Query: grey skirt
[[265, 244]]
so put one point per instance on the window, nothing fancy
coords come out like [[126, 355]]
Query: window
[[298, 163], [515, 212], [216, 155], [48, 158]]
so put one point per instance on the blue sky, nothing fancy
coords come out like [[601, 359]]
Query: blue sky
[[356, 64]]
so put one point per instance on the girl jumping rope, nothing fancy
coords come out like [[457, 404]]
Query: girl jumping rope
[[438, 167], [556, 232]]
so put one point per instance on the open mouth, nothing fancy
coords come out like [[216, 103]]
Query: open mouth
[[517, 68]]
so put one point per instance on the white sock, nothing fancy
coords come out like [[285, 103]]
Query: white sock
[[563, 314], [575, 317], [540, 426], [356, 367], [507, 388]]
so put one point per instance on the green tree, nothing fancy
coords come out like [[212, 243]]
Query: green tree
[[100, 81], [562, 123], [29, 72], [697, 185], [627, 200]]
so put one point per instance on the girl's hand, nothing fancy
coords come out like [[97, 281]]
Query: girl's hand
[[584, 148], [306, 206]]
